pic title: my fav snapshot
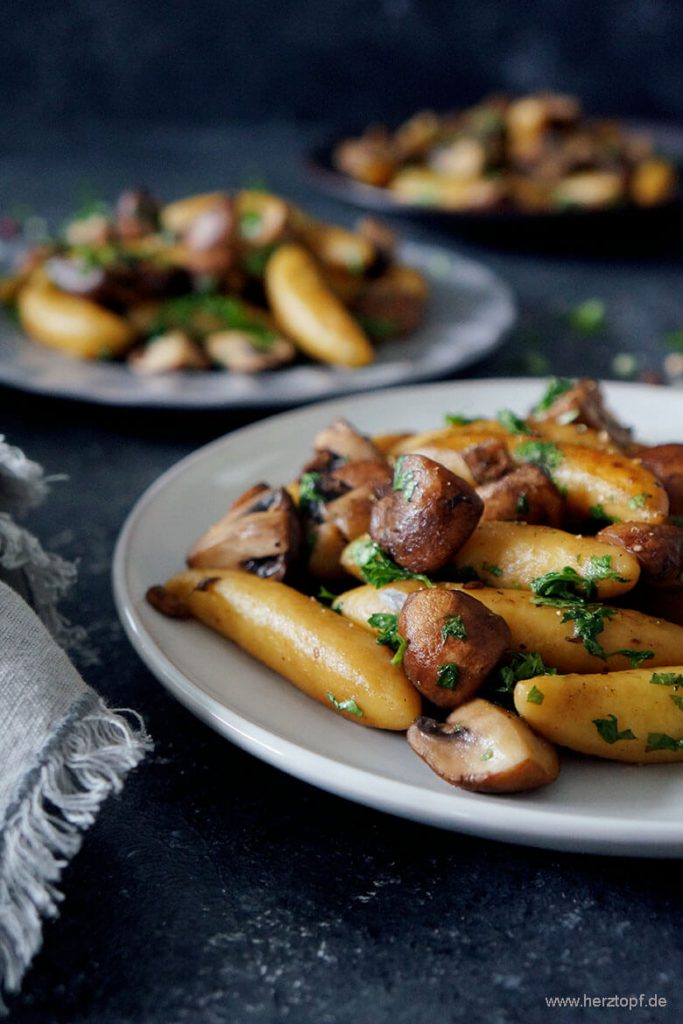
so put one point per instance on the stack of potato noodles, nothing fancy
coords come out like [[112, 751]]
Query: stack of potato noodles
[[500, 569]]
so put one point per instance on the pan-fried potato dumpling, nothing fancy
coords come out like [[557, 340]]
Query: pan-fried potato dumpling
[[635, 715], [72, 324]]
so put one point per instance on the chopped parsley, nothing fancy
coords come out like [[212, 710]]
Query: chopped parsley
[[487, 755], [609, 730], [203, 313], [250, 224], [523, 666], [674, 341], [447, 676], [556, 387], [589, 316], [588, 619], [635, 658], [598, 512], [345, 705], [379, 327], [678, 701], [386, 623], [661, 741], [309, 493], [638, 500], [522, 504], [535, 696], [454, 628], [544, 454], [599, 567], [254, 260], [492, 570], [456, 419], [327, 598], [404, 480], [512, 423], [667, 679], [376, 567], [564, 583]]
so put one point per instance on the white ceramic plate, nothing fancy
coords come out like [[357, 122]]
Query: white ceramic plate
[[470, 309], [595, 806]]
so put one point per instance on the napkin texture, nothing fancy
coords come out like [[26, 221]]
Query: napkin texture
[[62, 751]]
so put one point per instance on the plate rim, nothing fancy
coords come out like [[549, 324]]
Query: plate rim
[[501, 309], [663, 839]]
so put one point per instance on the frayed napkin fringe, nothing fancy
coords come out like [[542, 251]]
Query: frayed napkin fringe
[[23, 484], [44, 830], [49, 578]]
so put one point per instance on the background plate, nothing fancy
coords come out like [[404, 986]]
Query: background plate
[[594, 806], [469, 311]]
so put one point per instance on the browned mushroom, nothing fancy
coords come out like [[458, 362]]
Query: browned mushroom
[[583, 403], [426, 517], [666, 462], [344, 443], [260, 533], [454, 641], [243, 352], [488, 460], [208, 240], [381, 236], [485, 749], [526, 495], [370, 158], [659, 550], [137, 214], [392, 304], [167, 352]]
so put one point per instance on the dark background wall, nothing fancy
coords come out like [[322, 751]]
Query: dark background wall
[[344, 61]]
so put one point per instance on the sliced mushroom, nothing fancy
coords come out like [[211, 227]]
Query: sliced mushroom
[[260, 533], [262, 218], [137, 214], [666, 462], [454, 642], [345, 443], [426, 517], [488, 460], [167, 352], [659, 550], [526, 495], [381, 236], [370, 159], [208, 239], [392, 304], [243, 352], [583, 403], [485, 749]]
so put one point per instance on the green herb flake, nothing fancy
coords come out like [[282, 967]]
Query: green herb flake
[[250, 224], [674, 340], [512, 423], [522, 504], [564, 584], [486, 756], [609, 730], [544, 454], [557, 386], [254, 261], [588, 317], [379, 327], [639, 500], [386, 623], [588, 619], [523, 665], [404, 480], [309, 494], [598, 512], [635, 658], [667, 679], [454, 628], [447, 676], [456, 419], [662, 741], [678, 701], [349, 706], [599, 567], [202, 314], [535, 696], [377, 568], [492, 570], [327, 598]]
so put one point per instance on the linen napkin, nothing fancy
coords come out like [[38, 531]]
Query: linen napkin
[[62, 751]]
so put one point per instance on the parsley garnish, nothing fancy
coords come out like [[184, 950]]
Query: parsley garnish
[[544, 454], [376, 567], [588, 619], [492, 570], [254, 260], [565, 584], [454, 628], [345, 705], [598, 512], [535, 696], [638, 500], [404, 480], [512, 423], [588, 317], [447, 676], [609, 730], [678, 701], [309, 494], [327, 598], [250, 224], [523, 666], [378, 327], [635, 658], [387, 625], [674, 340], [456, 419], [599, 567], [486, 756], [667, 679], [556, 387], [202, 314], [661, 741]]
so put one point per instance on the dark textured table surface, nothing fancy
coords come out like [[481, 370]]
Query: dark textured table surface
[[216, 889]]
